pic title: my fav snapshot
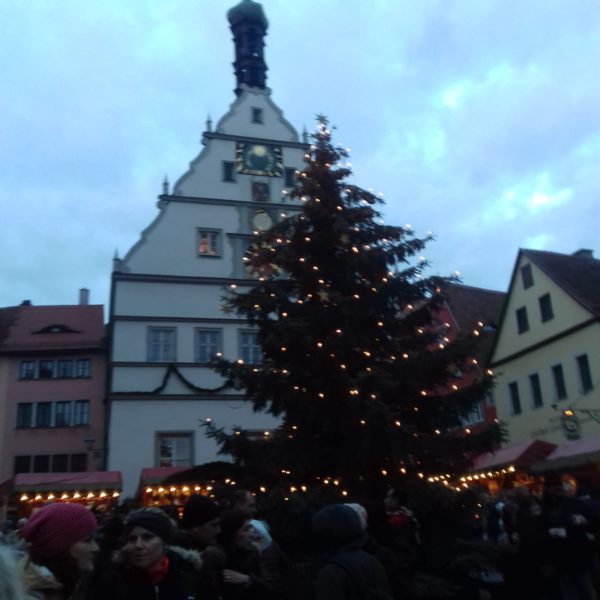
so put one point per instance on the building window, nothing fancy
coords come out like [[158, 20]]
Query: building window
[[46, 369], [546, 308], [41, 463], [526, 276], [60, 463], [64, 368], [83, 367], [474, 416], [27, 369], [208, 343], [250, 350], [290, 177], [43, 414], [24, 414], [585, 374], [522, 320], [62, 414], [559, 382], [174, 449], [209, 242], [78, 463], [161, 344], [228, 171], [81, 412], [257, 115], [515, 399], [22, 464], [536, 391], [261, 191]]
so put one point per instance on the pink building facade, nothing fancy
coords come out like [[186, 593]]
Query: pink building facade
[[52, 389]]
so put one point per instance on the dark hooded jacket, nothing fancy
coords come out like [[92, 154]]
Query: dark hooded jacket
[[347, 571]]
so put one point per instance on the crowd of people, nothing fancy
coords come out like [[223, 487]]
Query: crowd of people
[[210, 551], [221, 551], [554, 536]]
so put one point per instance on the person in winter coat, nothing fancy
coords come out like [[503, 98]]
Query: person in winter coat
[[145, 568], [10, 582], [243, 575], [61, 551], [199, 530], [347, 571]]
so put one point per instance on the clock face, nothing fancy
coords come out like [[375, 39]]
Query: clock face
[[261, 220], [259, 159]]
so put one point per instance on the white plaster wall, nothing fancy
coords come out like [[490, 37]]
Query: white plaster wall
[[164, 299], [169, 245], [567, 313], [134, 424], [544, 422]]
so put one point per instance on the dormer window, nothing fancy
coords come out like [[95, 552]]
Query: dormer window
[[526, 276], [546, 308], [257, 115]]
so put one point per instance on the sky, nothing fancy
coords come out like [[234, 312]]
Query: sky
[[479, 120]]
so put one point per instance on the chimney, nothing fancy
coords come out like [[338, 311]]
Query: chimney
[[26, 303], [84, 296], [584, 253]]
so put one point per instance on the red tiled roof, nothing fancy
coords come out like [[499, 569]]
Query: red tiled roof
[[80, 326], [470, 305], [578, 275], [59, 482], [519, 455]]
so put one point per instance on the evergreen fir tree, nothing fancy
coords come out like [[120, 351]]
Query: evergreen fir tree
[[355, 361]]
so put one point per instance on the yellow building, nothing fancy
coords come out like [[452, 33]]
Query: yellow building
[[547, 352]]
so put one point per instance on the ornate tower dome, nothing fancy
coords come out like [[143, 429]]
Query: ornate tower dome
[[249, 27]]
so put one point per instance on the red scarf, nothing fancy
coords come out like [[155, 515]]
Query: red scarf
[[156, 575]]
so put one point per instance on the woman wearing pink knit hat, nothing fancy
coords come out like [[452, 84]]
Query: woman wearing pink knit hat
[[61, 550]]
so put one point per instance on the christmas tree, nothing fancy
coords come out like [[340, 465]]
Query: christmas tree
[[355, 361]]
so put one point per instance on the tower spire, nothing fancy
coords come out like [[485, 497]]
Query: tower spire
[[249, 27]]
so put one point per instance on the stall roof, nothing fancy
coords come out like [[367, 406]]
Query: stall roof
[[519, 455], [59, 482], [154, 475], [570, 455]]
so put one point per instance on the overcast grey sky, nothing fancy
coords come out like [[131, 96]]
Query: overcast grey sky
[[478, 119]]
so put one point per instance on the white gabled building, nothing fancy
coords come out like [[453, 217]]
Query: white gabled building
[[166, 297]]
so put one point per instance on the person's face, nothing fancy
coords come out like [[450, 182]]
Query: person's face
[[83, 552], [144, 548], [248, 504], [243, 536], [207, 533]]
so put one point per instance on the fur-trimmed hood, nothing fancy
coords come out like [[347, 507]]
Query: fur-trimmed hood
[[39, 582], [119, 558]]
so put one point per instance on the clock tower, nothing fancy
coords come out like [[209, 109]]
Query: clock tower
[[166, 320], [249, 27]]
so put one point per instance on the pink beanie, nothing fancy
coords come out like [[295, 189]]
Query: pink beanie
[[55, 528]]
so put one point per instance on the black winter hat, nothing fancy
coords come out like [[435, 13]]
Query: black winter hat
[[338, 526], [198, 510], [232, 520], [152, 519]]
